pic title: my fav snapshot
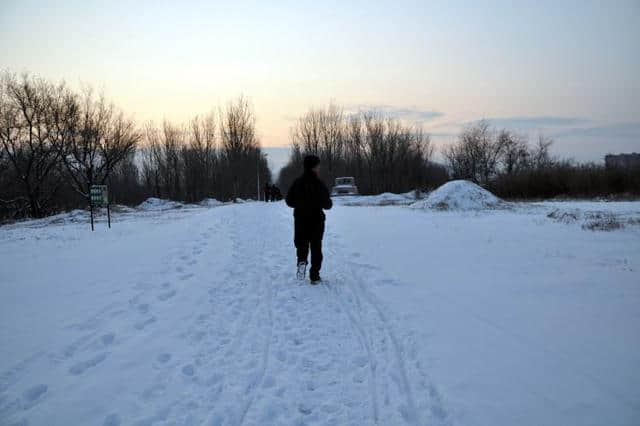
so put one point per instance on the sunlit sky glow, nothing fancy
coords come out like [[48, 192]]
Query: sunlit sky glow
[[568, 69]]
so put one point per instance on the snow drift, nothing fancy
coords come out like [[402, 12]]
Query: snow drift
[[459, 195], [210, 202], [384, 199], [159, 204]]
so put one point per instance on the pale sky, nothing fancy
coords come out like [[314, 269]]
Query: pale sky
[[569, 69]]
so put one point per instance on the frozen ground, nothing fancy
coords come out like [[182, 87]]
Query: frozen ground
[[190, 316]]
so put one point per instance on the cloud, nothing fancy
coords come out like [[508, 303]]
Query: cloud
[[628, 130], [403, 113], [411, 114], [534, 123]]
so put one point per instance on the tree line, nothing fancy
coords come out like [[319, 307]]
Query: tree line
[[383, 154], [505, 163], [55, 143]]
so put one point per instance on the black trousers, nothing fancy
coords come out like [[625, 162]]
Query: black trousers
[[308, 234]]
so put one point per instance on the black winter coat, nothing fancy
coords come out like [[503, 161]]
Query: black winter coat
[[308, 196]]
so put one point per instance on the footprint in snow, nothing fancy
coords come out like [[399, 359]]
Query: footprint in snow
[[268, 382], [360, 360], [163, 358], [111, 420], [142, 324], [188, 370], [33, 395], [83, 366], [167, 295], [305, 409], [108, 338]]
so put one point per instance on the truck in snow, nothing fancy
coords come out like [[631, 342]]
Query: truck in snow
[[345, 186]]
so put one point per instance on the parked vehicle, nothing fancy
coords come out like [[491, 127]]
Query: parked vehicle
[[345, 186]]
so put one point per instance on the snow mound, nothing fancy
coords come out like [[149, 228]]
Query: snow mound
[[384, 199], [158, 204], [459, 195], [73, 216], [210, 202]]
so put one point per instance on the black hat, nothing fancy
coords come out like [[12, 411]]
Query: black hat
[[310, 161]]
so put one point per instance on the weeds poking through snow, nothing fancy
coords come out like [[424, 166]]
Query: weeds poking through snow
[[602, 222]]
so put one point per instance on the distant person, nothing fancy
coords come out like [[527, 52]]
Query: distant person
[[267, 192], [309, 196], [275, 193]]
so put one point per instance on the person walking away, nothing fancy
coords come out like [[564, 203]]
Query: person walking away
[[308, 197], [267, 192]]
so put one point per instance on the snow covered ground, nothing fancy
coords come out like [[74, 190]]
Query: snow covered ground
[[191, 316]]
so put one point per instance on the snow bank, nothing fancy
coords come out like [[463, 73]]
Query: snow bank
[[159, 204], [595, 220], [73, 216], [384, 199], [210, 202], [459, 195]]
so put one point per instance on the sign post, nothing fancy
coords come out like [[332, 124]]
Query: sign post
[[99, 197]]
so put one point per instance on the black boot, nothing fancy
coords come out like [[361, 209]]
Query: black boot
[[301, 271]]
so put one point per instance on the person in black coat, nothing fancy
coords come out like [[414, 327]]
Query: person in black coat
[[267, 192], [309, 196]]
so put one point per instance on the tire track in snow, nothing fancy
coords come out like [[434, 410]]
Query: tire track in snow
[[364, 342], [265, 357], [245, 265], [364, 301], [409, 412], [412, 414]]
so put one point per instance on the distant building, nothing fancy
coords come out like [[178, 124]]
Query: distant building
[[622, 161]]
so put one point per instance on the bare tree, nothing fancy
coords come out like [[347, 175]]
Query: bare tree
[[199, 158], [240, 147], [172, 142], [152, 160], [515, 152], [380, 152], [540, 155], [476, 155], [28, 138], [98, 138]]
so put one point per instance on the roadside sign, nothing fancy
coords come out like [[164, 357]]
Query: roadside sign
[[99, 197]]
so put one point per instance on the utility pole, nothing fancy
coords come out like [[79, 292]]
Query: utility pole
[[258, 171]]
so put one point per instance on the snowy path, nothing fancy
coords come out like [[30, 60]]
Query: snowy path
[[193, 317], [217, 332]]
